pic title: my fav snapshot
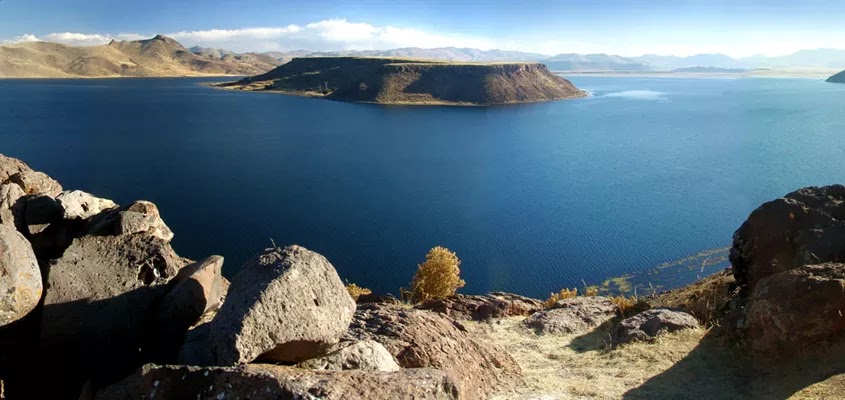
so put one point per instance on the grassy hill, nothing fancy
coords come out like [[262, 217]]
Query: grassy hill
[[412, 81], [159, 56]]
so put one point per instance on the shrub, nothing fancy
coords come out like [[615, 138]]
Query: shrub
[[437, 277], [630, 305], [356, 291], [562, 295]]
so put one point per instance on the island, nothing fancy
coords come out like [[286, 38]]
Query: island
[[412, 81], [837, 78]]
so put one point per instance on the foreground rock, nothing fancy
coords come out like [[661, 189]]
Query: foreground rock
[[365, 355], [647, 325], [10, 166], [573, 315], [138, 217], [804, 227], [98, 299], [20, 278], [423, 339], [477, 308], [795, 310], [285, 305], [260, 381], [11, 206], [78, 205], [34, 182]]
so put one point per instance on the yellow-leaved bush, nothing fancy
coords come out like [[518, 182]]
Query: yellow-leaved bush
[[356, 291], [438, 277]]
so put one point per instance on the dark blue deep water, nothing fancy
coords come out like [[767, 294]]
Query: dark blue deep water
[[532, 198]]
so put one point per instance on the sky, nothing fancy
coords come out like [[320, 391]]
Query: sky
[[627, 28]]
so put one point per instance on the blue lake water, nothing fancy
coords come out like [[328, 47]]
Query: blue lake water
[[531, 197]]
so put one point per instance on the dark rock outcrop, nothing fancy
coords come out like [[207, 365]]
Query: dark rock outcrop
[[804, 227], [573, 315], [837, 78], [423, 339], [261, 381], [477, 308], [647, 325], [284, 305], [20, 278], [792, 311]]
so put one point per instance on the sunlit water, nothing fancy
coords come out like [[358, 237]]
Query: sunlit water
[[532, 197]]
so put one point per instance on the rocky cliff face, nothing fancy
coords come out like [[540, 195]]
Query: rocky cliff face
[[398, 81], [159, 56]]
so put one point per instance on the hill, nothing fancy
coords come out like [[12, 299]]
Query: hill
[[837, 78], [159, 56], [593, 62], [412, 81]]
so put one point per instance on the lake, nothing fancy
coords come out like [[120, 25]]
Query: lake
[[531, 197]]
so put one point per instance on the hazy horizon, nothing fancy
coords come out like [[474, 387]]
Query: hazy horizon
[[624, 28]]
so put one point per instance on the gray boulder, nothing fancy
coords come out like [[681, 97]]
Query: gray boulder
[[34, 182], [20, 286], [573, 315], [647, 325], [365, 355], [79, 205], [285, 305], [138, 217], [266, 382], [10, 166], [99, 296]]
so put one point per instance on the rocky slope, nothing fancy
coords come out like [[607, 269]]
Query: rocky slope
[[96, 304], [157, 57], [837, 78], [406, 81]]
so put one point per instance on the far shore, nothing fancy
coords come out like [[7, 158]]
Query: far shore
[[808, 73]]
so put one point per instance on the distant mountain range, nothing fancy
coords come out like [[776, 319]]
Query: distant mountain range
[[163, 56]]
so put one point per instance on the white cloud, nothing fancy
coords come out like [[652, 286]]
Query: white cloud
[[22, 39], [76, 39]]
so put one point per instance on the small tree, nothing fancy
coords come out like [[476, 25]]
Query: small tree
[[438, 276]]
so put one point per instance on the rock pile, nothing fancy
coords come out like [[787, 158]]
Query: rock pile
[[94, 296]]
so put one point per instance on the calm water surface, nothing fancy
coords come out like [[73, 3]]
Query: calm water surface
[[532, 198]]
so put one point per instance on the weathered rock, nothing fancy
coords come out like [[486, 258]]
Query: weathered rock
[[10, 166], [286, 305], [197, 289], [34, 182], [377, 298], [40, 212], [573, 315], [424, 339], [477, 308], [805, 227], [98, 301], [646, 325], [11, 206], [138, 217], [20, 278], [791, 311], [261, 381], [79, 205], [365, 355], [196, 348]]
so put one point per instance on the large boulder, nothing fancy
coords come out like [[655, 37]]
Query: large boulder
[[573, 315], [98, 301], [478, 308], [11, 206], [261, 381], [284, 305], [804, 227], [424, 339], [647, 325], [20, 278], [794, 310], [10, 166], [138, 217], [366, 355], [34, 182], [79, 205]]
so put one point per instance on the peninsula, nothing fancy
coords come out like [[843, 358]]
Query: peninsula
[[837, 78], [412, 81]]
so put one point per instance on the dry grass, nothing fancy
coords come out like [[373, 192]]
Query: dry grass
[[563, 294], [703, 299]]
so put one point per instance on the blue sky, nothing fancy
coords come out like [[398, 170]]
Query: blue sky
[[737, 28]]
